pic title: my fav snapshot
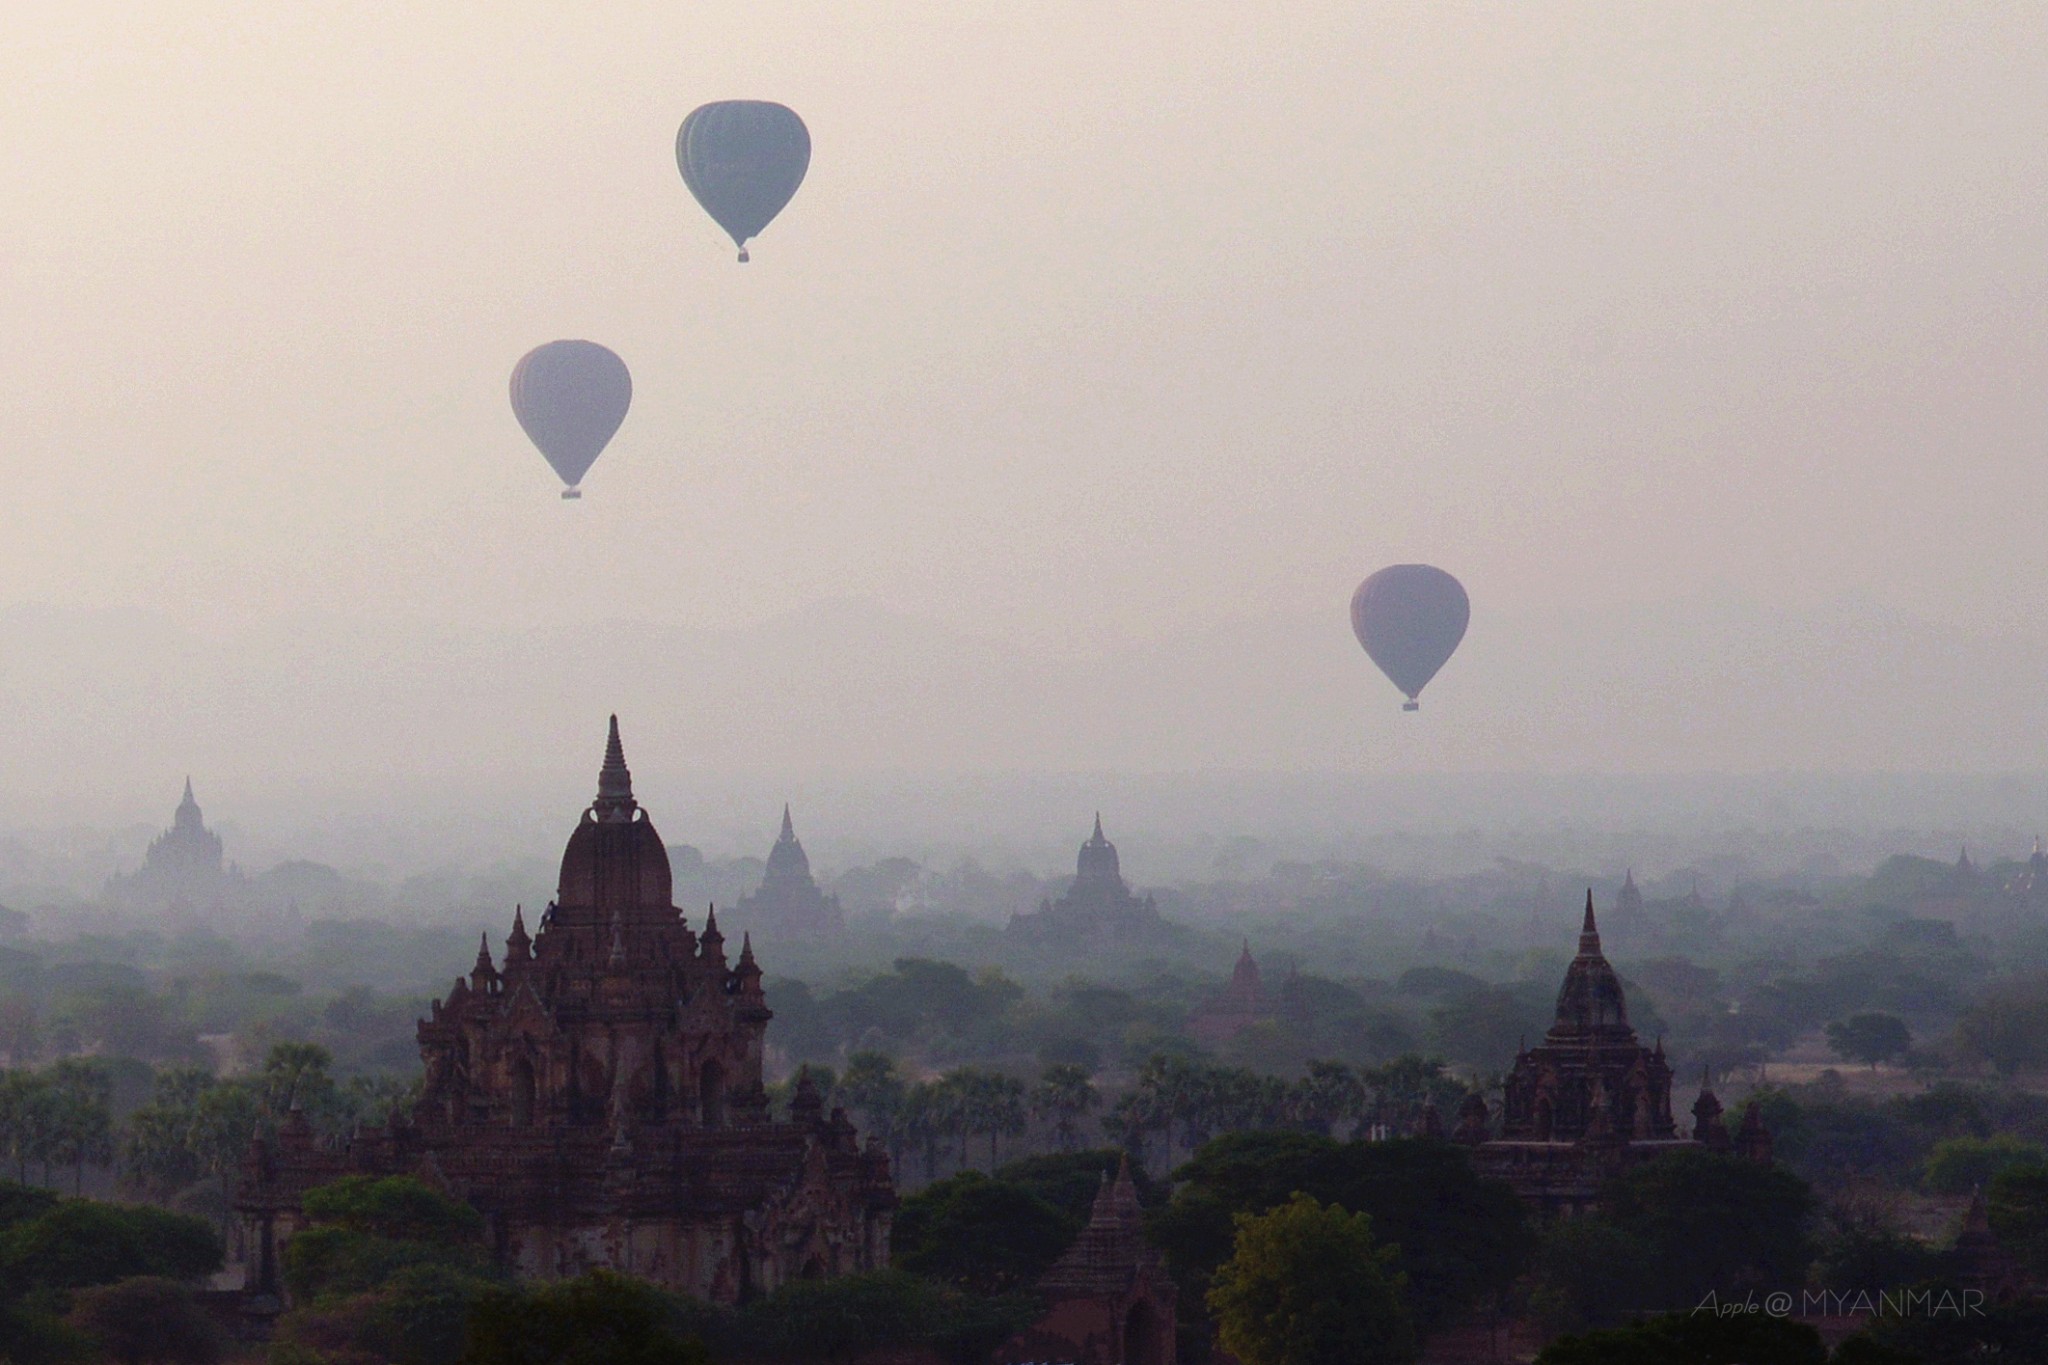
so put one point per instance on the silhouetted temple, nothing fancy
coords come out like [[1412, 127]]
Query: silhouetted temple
[[1591, 1100], [184, 867], [2031, 886], [1098, 906], [1242, 1004], [1629, 904], [599, 1099], [788, 904], [1109, 1299]]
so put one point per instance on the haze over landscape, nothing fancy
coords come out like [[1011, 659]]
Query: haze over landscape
[[1103, 945]]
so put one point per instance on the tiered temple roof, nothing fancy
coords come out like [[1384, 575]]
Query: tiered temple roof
[[789, 905], [598, 1096], [1591, 1100], [1098, 906]]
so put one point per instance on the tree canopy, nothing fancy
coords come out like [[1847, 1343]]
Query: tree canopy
[[1307, 1284], [1460, 1238]]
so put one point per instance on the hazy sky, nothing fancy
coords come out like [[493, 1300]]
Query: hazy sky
[[1089, 319]]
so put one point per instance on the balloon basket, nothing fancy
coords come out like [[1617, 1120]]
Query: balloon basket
[[571, 494], [1405, 706]]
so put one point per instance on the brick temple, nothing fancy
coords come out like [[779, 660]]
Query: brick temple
[[1109, 1299], [1591, 1101], [598, 1098]]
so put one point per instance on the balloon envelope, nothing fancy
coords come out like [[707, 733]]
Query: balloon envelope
[[1410, 618], [743, 159], [571, 396]]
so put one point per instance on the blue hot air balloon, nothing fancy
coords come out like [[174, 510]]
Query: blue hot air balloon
[[1410, 618], [571, 396], [743, 159]]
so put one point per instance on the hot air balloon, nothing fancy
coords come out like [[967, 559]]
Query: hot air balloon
[[743, 159], [570, 396], [1410, 618]]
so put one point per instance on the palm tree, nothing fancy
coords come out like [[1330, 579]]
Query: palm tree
[[1330, 1093], [1127, 1122], [27, 1119], [873, 1090], [952, 1107], [1065, 1095], [1002, 1110]]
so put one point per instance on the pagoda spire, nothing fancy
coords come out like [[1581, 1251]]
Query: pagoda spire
[[1589, 932], [788, 827], [1097, 836], [615, 781], [711, 943]]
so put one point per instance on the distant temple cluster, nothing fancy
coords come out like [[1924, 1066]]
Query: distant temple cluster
[[596, 1092]]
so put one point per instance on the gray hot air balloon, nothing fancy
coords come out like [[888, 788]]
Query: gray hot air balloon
[[1410, 618], [743, 159], [570, 396]]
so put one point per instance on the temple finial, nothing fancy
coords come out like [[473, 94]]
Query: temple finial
[[188, 786], [1589, 932], [788, 827], [1098, 825], [615, 780]]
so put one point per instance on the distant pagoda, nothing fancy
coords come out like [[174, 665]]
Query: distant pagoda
[[788, 905], [185, 867], [1097, 906], [1242, 1004]]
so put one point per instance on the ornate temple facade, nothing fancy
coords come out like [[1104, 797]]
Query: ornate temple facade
[[1109, 1298], [1098, 907], [788, 905], [185, 867], [1591, 1100], [598, 1097]]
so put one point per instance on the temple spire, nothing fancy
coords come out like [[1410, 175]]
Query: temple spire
[[1589, 932], [1098, 827], [788, 828], [615, 781]]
